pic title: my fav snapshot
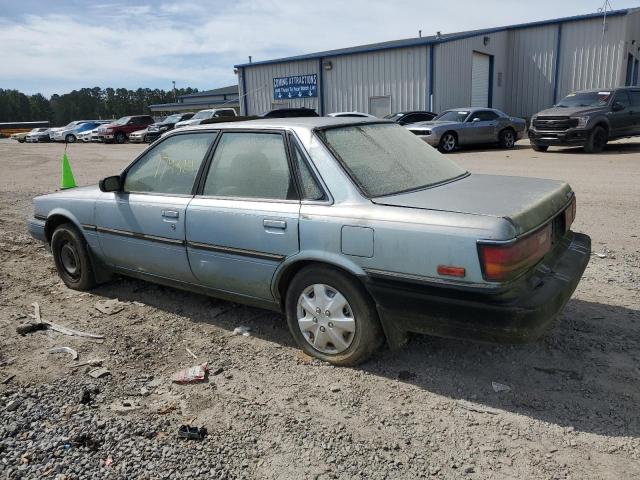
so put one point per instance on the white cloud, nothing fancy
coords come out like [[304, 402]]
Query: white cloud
[[196, 43]]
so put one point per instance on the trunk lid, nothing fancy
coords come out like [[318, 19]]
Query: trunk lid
[[524, 202]]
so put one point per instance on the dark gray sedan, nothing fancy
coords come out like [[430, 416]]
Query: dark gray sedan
[[470, 126]]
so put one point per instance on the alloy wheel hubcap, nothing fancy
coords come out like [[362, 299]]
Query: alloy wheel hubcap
[[325, 319], [508, 139], [69, 259], [449, 142]]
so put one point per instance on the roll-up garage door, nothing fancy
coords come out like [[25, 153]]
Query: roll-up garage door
[[480, 80]]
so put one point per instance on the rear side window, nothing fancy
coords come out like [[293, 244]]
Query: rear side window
[[225, 113], [635, 97], [171, 167], [250, 165], [484, 115], [310, 188], [623, 98]]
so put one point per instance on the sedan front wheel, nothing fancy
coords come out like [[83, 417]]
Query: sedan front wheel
[[448, 143], [331, 316]]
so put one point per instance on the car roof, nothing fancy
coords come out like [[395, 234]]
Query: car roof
[[291, 122]]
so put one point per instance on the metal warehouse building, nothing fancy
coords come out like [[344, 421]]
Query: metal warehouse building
[[520, 69]]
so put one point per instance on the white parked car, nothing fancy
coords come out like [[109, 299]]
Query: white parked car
[[351, 114], [70, 134], [206, 114], [86, 135]]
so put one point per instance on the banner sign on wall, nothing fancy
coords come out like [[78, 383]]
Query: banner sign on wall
[[296, 86]]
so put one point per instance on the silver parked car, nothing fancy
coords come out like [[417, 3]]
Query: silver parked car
[[470, 126], [357, 230]]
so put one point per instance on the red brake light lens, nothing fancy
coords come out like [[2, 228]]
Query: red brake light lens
[[504, 262], [451, 271]]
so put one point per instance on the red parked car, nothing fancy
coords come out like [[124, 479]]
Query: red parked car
[[119, 130]]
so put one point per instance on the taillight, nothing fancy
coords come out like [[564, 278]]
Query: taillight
[[504, 262], [570, 214]]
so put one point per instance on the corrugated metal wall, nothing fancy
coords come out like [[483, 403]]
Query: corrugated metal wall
[[453, 62], [259, 83], [589, 59], [632, 42], [399, 73], [531, 58]]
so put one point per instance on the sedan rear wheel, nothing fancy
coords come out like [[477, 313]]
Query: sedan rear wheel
[[448, 142], [70, 138], [120, 137], [331, 316]]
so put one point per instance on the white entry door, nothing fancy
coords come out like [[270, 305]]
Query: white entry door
[[480, 80]]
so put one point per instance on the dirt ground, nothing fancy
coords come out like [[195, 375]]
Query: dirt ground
[[426, 411]]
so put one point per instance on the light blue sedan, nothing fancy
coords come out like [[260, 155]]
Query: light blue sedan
[[356, 229]]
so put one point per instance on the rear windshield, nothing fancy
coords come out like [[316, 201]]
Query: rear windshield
[[586, 99], [386, 158]]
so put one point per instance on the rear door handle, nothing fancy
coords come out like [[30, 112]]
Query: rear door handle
[[170, 214], [281, 224]]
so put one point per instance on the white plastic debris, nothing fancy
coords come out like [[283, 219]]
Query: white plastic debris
[[500, 387], [244, 331]]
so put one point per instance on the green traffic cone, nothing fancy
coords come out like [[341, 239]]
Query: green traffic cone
[[66, 179]]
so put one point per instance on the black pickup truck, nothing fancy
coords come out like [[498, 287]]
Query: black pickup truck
[[588, 119]]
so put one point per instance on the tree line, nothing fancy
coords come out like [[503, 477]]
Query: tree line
[[86, 103]]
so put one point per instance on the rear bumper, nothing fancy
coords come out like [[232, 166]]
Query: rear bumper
[[573, 136], [35, 227], [518, 313]]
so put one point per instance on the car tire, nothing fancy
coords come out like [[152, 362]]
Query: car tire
[[539, 148], [596, 141], [360, 333], [507, 138], [120, 137], [71, 256], [70, 138], [448, 142]]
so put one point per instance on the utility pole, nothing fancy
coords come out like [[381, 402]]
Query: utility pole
[[175, 97]]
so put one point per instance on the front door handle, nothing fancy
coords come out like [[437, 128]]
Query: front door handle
[[281, 224], [170, 214]]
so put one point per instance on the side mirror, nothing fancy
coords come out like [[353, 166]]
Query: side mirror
[[617, 106], [475, 119], [111, 184]]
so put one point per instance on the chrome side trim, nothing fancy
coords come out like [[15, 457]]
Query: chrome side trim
[[433, 281], [140, 236], [236, 251], [86, 226], [40, 217]]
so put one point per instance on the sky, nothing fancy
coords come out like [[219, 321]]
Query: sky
[[55, 46]]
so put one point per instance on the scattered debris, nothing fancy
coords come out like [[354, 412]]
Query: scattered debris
[[110, 307], [108, 462], [191, 353], [30, 327], [39, 324], [216, 371], [191, 374], [13, 405], [99, 372], [124, 406], [8, 361], [500, 387], [8, 379], [600, 255], [69, 350], [192, 433], [169, 407], [244, 331], [92, 363], [475, 408], [334, 388]]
